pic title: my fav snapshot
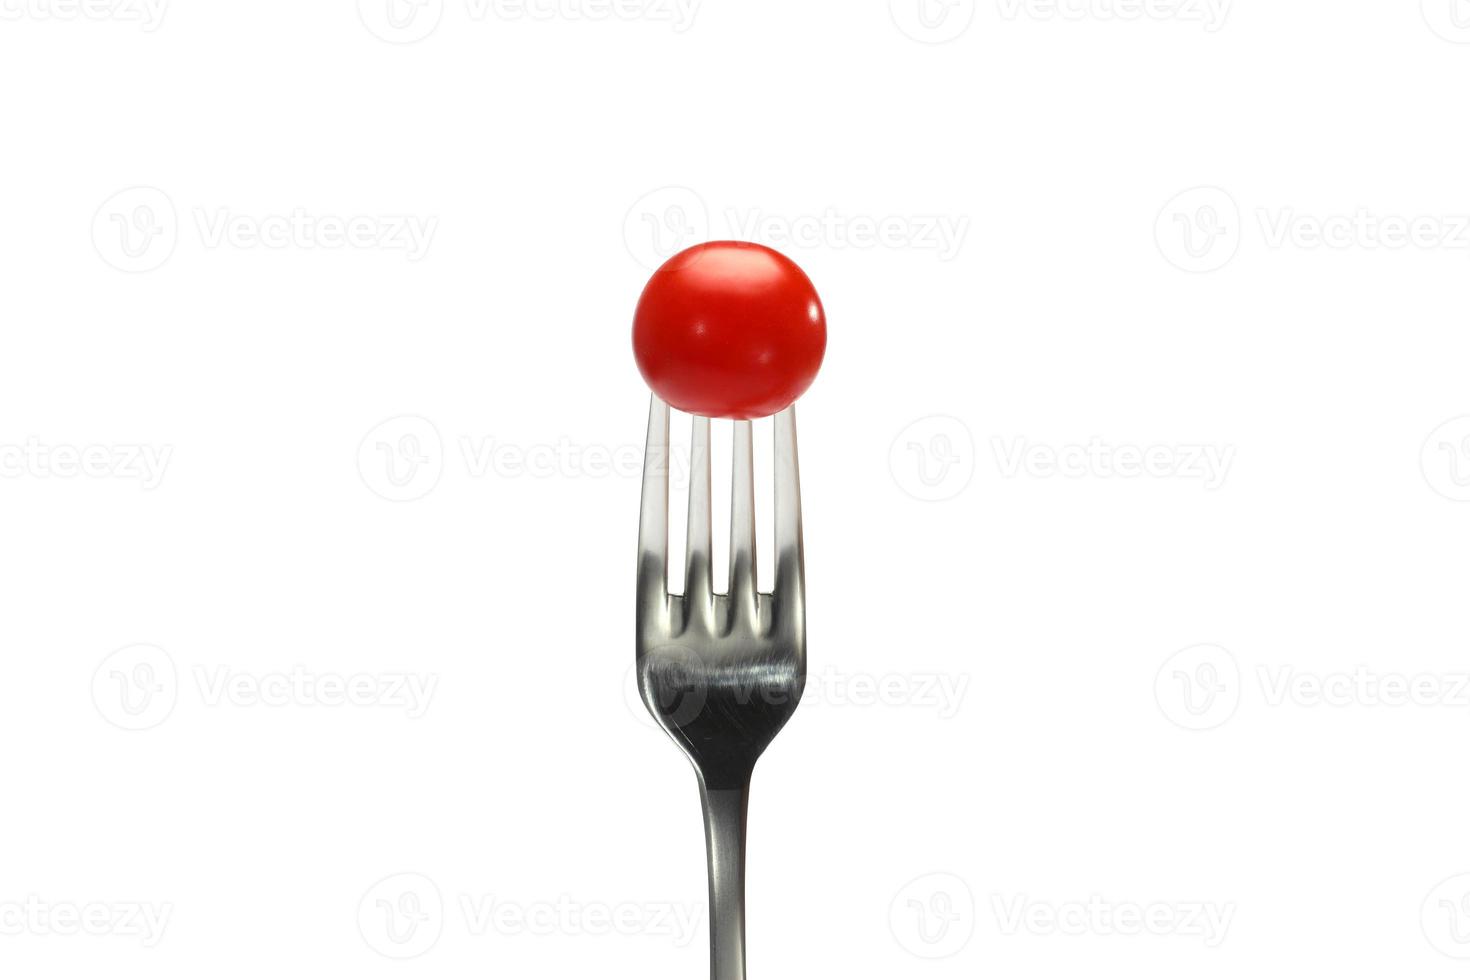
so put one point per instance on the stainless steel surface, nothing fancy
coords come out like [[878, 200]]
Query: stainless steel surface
[[721, 673]]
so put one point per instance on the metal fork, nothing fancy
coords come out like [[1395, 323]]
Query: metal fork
[[721, 673]]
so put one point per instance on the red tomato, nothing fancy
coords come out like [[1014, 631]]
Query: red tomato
[[729, 330]]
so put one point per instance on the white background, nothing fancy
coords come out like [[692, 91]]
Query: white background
[[1182, 692]]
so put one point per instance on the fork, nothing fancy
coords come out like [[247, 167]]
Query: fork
[[721, 674]]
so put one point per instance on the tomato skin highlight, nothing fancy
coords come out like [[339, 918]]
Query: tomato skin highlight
[[729, 330]]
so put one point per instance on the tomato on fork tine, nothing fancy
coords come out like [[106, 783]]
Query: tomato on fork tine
[[729, 330], [726, 330]]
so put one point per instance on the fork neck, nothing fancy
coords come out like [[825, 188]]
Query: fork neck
[[725, 812]]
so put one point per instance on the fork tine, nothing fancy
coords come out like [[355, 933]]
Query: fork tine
[[653, 522], [742, 529], [698, 587], [790, 589]]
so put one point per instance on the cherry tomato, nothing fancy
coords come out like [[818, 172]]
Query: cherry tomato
[[729, 330]]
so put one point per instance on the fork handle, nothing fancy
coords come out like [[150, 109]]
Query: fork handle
[[724, 837]]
